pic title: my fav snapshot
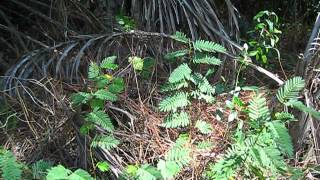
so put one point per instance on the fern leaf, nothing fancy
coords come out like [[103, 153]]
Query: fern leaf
[[174, 86], [202, 83], [299, 105], [281, 136], [270, 159], [80, 174], [176, 54], [105, 142], [258, 110], [202, 45], [211, 60], [179, 153], [204, 127], [180, 73], [40, 168], [116, 86], [197, 94], [148, 172], [105, 95], [100, 118], [168, 169], [172, 103], [175, 120], [11, 169], [58, 172], [205, 145], [94, 70], [290, 90], [108, 63], [181, 37], [284, 116], [80, 98]]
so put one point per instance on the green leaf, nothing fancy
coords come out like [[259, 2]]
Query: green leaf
[[132, 170], [80, 98], [103, 166], [181, 37], [108, 63], [172, 103], [299, 105], [148, 172], [176, 54], [281, 135], [204, 127], [80, 174], [284, 116], [100, 118], [180, 73], [208, 46], [258, 110], [10, 168], [205, 145], [175, 120], [290, 90], [40, 168], [117, 86], [94, 70], [58, 173], [105, 95], [105, 142], [97, 104], [205, 59], [136, 62], [168, 169]]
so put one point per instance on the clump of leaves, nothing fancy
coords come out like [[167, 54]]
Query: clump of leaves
[[265, 36], [105, 88], [258, 151]]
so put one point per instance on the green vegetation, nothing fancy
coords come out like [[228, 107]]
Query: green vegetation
[[159, 90]]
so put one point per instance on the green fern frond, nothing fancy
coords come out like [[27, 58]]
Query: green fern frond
[[40, 168], [172, 103], [205, 145], [59, 172], [80, 174], [108, 63], [176, 54], [148, 172], [204, 127], [211, 60], [180, 154], [290, 90], [80, 98], [197, 94], [175, 120], [181, 37], [94, 70], [284, 116], [11, 169], [100, 118], [202, 83], [105, 95], [202, 45], [180, 73], [281, 136], [174, 86], [300, 106], [168, 169], [117, 86], [106, 142], [258, 109], [269, 159]]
